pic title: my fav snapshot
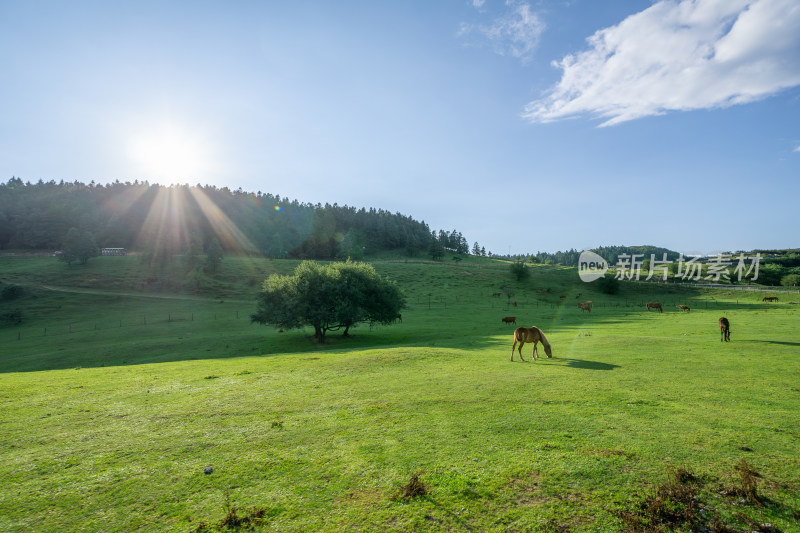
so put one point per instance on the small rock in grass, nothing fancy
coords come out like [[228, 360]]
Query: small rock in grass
[[208, 470]]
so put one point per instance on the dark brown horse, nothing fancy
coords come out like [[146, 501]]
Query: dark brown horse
[[724, 329], [654, 305], [531, 334], [509, 320], [769, 299], [684, 308]]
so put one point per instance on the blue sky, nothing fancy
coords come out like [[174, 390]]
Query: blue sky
[[538, 125]]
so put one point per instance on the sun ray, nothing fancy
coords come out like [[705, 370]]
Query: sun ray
[[120, 203], [230, 236], [164, 231]]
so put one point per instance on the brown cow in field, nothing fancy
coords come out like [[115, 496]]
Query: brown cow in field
[[724, 329], [586, 306], [654, 305], [684, 308], [509, 320]]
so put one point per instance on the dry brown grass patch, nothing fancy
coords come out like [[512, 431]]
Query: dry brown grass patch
[[413, 489]]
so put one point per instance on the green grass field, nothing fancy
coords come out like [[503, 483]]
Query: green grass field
[[118, 393]]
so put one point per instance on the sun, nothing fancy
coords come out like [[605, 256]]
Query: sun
[[169, 153]]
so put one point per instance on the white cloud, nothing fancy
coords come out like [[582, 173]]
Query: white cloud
[[478, 3], [516, 33], [692, 54], [796, 149]]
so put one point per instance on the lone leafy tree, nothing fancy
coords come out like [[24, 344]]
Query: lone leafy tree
[[608, 284], [328, 297], [213, 255], [519, 271], [78, 246]]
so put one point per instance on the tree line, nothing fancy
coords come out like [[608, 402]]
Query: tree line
[[609, 253], [182, 219]]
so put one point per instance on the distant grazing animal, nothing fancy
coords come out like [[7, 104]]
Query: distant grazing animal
[[654, 305], [684, 308], [496, 295], [769, 299], [399, 317], [514, 303], [585, 306], [724, 329], [563, 296], [509, 320], [531, 334], [579, 295]]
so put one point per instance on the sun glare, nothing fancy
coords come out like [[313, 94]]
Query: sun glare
[[170, 154]]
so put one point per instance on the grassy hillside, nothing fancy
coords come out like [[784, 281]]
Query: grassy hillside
[[118, 393]]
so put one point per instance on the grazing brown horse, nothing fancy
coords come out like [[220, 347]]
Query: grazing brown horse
[[654, 305], [531, 334], [586, 306], [724, 329], [769, 299], [684, 308], [509, 320]]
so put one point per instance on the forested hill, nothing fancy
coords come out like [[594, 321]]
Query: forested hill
[[185, 219], [609, 253]]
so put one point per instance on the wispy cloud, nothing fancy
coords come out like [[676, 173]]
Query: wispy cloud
[[515, 33], [692, 54], [797, 149]]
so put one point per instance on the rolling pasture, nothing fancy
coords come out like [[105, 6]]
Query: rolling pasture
[[133, 401]]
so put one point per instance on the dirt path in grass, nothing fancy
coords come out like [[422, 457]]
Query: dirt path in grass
[[139, 295]]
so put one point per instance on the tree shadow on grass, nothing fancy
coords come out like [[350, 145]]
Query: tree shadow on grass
[[784, 343], [586, 365]]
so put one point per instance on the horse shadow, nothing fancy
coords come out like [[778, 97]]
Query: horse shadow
[[586, 365]]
